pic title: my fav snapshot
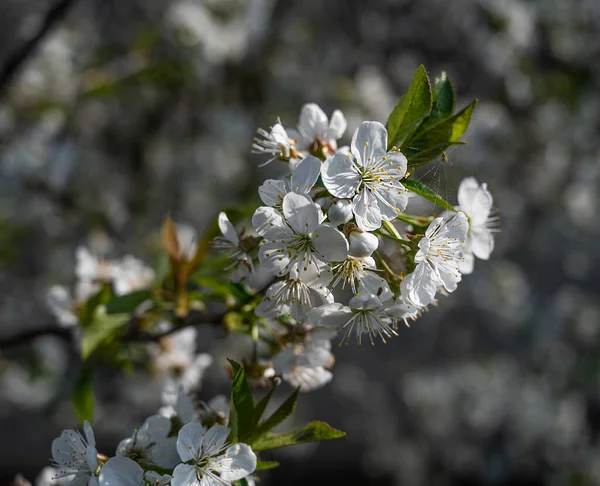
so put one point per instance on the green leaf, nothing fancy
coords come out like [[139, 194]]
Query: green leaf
[[411, 109], [426, 192], [260, 407], [128, 303], [88, 310], [443, 100], [242, 404], [266, 465], [284, 411], [429, 144], [101, 328], [313, 432], [83, 396]]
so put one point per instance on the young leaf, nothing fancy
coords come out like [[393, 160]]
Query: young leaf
[[434, 140], [411, 109], [242, 403], [313, 432], [101, 328], [426, 192], [260, 407], [284, 411], [127, 303], [443, 100], [266, 465], [170, 240], [83, 396], [88, 310]]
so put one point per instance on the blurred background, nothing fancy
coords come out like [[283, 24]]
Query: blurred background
[[114, 113]]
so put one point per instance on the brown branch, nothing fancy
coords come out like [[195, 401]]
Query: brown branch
[[31, 334], [17, 58]]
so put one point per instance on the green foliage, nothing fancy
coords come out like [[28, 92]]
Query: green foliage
[[101, 330], [411, 109], [266, 465], [284, 411], [422, 125], [83, 396], [426, 192], [313, 432], [127, 303], [242, 404], [261, 406]]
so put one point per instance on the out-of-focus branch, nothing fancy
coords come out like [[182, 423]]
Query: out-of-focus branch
[[31, 334], [16, 59]]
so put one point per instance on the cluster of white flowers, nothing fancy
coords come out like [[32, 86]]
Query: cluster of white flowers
[[191, 444], [125, 275], [321, 228]]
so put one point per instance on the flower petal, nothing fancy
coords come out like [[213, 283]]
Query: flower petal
[[419, 287], [366, 210], [330, 315], [369, 142], [269, 222], [214, 439], [227, 229], [301, 212], [330, 243], [372, 283], [305, 175], [189, 441], [340, 177], [244, 462], [467, 265], [313, 122], [185, 475], [274, 258], [475, 200], [121, 471], [481, 242], [337, 125], [272, 192]]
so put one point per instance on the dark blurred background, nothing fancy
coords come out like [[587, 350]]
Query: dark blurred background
[[115, 112]]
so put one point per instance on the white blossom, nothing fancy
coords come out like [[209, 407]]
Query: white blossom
[[297, 237], [177, 403], [303, 179], [122, 471], [370, 176], [362, 243], [340, 211], [61, 304], [76, 457], [47, 476], [360, 273], [296, 296], [316, 132], [364, 314], [305, 365], [130, 274], [476, 202], [209, 459], [230, 241], [437, 260], [176, 356], [275, 143], [151, 443], [187, 237]]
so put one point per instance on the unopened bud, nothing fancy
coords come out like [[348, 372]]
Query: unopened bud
[[362, 243], [340, 211]]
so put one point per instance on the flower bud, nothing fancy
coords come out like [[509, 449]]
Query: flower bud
[[340, 211], [362, 244]]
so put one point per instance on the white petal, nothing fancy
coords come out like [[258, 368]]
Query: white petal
[[301, 212], [362, 243], [189, 441], [121, 471], [419, 287], [272, 192], [374, 284], [244, 462], [305, 175], [365, 301], [274, 258], [340, 177], [227, 229], [330, 243], [330, 315], [475, 200], [337, 125], [89, 434], [366, 210], [313, 122], [185, 475], [279, 134], [467, 265], [214, 439], [392, 200], [481, 242], [269, 222], [369, 142]]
